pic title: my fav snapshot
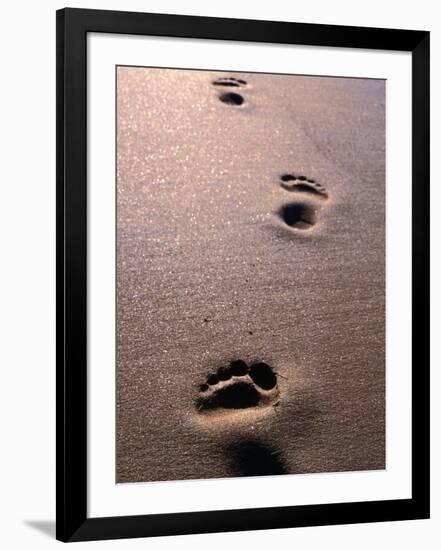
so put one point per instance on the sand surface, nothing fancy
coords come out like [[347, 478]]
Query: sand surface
[[208, 271]]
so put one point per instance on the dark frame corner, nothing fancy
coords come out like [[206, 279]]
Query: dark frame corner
[[71, 386]]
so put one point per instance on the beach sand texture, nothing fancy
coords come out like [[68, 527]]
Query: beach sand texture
[[251, 231]]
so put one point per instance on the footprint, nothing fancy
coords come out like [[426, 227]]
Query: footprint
[[238, 387], [230, 98], [230, 81], [302, 214], [291, 183]]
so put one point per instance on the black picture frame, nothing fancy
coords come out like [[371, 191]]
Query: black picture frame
[[71, 428]]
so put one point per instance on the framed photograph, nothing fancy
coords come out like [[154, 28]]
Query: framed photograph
[[242, 274]]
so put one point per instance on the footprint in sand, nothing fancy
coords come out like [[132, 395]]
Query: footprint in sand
[[239, 386], [297, 184], [230, 81], [230, 98], [302, 214]]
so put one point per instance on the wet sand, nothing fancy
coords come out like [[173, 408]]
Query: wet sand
[[249, 230]]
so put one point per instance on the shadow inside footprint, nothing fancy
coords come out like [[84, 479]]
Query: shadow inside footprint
[[236, 396], [299, 215], [291, 177], [263, 375], [238, 386], [255, 458]]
